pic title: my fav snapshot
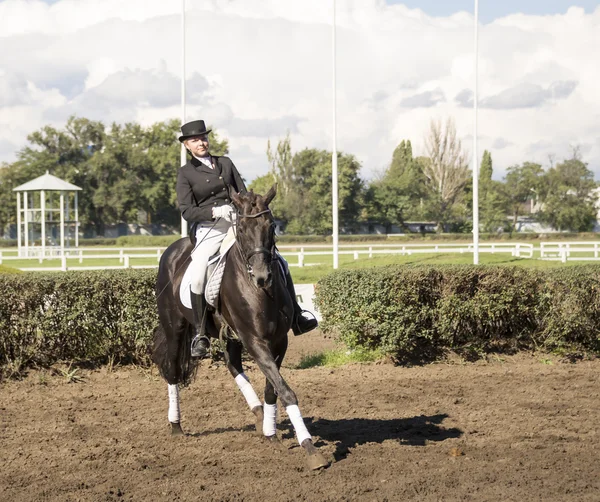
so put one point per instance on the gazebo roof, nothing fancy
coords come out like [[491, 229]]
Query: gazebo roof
[[46, 182]]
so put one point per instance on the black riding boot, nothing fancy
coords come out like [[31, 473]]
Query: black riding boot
[[200, 343], [300, 324]]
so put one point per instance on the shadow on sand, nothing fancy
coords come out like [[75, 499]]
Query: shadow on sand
[[348, 433]]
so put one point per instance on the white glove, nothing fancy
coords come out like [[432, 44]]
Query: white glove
[[226, 212]]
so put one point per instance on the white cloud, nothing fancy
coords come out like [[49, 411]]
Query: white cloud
[[258, 68]]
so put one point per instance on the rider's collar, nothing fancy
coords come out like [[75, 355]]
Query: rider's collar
[[207, 161]]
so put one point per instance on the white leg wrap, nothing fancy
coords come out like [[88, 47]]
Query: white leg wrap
[[298, 422], [174, 414], [246, 387], [270, 419]]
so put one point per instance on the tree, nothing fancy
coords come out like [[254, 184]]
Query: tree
[[568, 202], [281, 164], [493, 205], [447, 171], [313, 174], [486, 170], [521, 183], [123, 174], [64, 153], [307, 206], [395, 196]]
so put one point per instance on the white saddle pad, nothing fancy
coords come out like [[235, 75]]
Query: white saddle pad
[[216, 267]]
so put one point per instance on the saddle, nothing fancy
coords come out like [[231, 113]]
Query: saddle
[[214, 272]]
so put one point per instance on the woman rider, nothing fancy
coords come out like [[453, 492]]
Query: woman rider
[[203, 195]]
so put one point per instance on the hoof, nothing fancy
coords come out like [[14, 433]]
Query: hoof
[[317, 461], [275, 443], [258, 413], [176, 429]]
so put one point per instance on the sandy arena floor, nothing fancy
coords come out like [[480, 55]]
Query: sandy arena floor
[[515, 429]]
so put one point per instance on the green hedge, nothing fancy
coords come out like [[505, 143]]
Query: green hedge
[[98, 241], [147, 240], [96, 316], [411, 312], [422, 312]]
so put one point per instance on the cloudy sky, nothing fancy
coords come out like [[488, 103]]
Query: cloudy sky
[[259, 68]]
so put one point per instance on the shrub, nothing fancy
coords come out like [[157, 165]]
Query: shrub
[[98, 241], [147, 240], [421, 312], [91, 316]]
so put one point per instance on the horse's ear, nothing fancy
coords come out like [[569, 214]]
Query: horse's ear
[[270, 194], [235, 197]]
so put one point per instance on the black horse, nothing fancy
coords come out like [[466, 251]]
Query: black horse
[[254, 309]]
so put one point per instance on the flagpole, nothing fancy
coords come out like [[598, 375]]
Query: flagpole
[[183, 154], [475, 156], [334, 164]]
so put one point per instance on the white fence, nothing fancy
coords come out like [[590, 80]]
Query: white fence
[[124, 255], [516, 249], [296, 255], [569, 251]]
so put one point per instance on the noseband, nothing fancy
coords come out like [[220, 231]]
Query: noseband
[[269, 253]]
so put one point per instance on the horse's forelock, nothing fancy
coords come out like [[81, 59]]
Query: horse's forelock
[[252, 203]]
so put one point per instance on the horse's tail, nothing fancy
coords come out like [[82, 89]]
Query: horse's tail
[[174, 356]]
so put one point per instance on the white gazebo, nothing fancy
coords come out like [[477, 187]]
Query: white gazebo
[[40, 207]]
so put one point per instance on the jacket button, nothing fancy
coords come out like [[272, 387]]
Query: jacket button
[[208, 181], [220, 177], [212, 193], [224, 188], [214, 203]]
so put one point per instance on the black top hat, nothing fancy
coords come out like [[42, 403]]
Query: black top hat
[[193, 128]]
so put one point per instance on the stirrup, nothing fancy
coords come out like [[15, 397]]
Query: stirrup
[[200, 346], [306, 325]]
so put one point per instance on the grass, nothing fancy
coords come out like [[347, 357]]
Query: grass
[[71, 375], [311, 274], [338, 357], [9, 270], [317, 266]]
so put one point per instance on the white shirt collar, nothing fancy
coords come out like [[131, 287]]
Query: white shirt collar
[[207, 161]]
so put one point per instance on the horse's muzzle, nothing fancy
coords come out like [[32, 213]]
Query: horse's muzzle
[[263, 281]]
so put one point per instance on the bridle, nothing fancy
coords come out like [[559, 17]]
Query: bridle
[[269, 253]]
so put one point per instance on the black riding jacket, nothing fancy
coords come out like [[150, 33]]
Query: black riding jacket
[[200, 188]]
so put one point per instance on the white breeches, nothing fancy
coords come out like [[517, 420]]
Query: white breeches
[[208, 241]]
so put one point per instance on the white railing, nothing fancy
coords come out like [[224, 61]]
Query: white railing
[[562, 251], [124, 255], [297, 254], [517, 249], [358, 251]]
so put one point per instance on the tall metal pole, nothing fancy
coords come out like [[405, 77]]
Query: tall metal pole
[[19, 230], [43, 217], [62, 224], [183, 159], [334, 165], [475, 156]]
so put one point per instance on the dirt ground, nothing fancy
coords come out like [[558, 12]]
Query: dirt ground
[[522, 428]]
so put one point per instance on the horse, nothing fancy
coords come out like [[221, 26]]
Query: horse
[[254, 312]]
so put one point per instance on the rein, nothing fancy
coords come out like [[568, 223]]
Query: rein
[[253, 215]]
